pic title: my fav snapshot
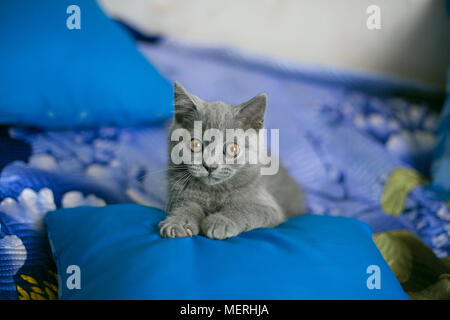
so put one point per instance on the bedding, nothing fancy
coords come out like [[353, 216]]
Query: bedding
[[440, 167], [74, 78], [360, 146], [422, 275], [301, 259]]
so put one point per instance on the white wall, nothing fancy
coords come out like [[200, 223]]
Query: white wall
[[413, 42]]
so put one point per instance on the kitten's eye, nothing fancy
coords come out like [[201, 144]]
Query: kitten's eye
[[195, 145], [232, 149]]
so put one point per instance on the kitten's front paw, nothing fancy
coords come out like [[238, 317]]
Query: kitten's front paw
[[178, 226], [217, 226]]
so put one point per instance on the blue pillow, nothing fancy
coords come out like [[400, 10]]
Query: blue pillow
[[440, 167], [54, 77], [120, 255]]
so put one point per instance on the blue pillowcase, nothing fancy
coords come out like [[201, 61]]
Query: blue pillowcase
[[119, 254], [440, 167], [51, 76]]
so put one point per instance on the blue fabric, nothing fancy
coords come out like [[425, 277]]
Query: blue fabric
[[55, 77], [440, 168], [26, 194], [122, 256]]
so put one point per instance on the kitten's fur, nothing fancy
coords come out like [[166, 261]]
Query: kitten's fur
[[234, 197]]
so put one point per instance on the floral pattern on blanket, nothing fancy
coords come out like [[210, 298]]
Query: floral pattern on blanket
[[23, 242]]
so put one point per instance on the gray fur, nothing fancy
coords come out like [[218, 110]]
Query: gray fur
[[234, 197]]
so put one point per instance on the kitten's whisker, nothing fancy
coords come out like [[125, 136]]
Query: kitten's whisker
[[182, 182]]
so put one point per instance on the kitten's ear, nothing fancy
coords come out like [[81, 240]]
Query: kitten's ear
[[251, 113], [185, 108]]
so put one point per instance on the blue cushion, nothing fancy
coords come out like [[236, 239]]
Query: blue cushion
[[121, 256], [440, 167], [51, 76]]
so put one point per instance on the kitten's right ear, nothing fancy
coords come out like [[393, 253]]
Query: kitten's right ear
[[185, 105], [251, 113]]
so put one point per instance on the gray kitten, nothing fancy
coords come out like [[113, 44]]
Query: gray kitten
[[221, 200]]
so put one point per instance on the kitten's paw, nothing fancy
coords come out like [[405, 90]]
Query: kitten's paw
[[178, 227], [217, 226]]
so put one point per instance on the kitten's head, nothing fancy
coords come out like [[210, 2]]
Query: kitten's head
[[217, 158]]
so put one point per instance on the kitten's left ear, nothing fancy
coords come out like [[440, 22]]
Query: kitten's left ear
[[251, 113]]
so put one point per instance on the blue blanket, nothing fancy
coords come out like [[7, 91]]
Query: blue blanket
[[342, 137]]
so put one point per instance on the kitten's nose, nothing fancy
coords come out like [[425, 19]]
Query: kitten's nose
[[210, 168]]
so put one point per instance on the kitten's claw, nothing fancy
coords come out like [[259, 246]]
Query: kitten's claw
[[178, 227], [218, 226]]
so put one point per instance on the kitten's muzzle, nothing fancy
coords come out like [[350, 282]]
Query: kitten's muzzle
[[210, 168]]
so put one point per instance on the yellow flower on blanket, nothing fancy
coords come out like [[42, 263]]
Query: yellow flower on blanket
[[37, 291], [399, 184]]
